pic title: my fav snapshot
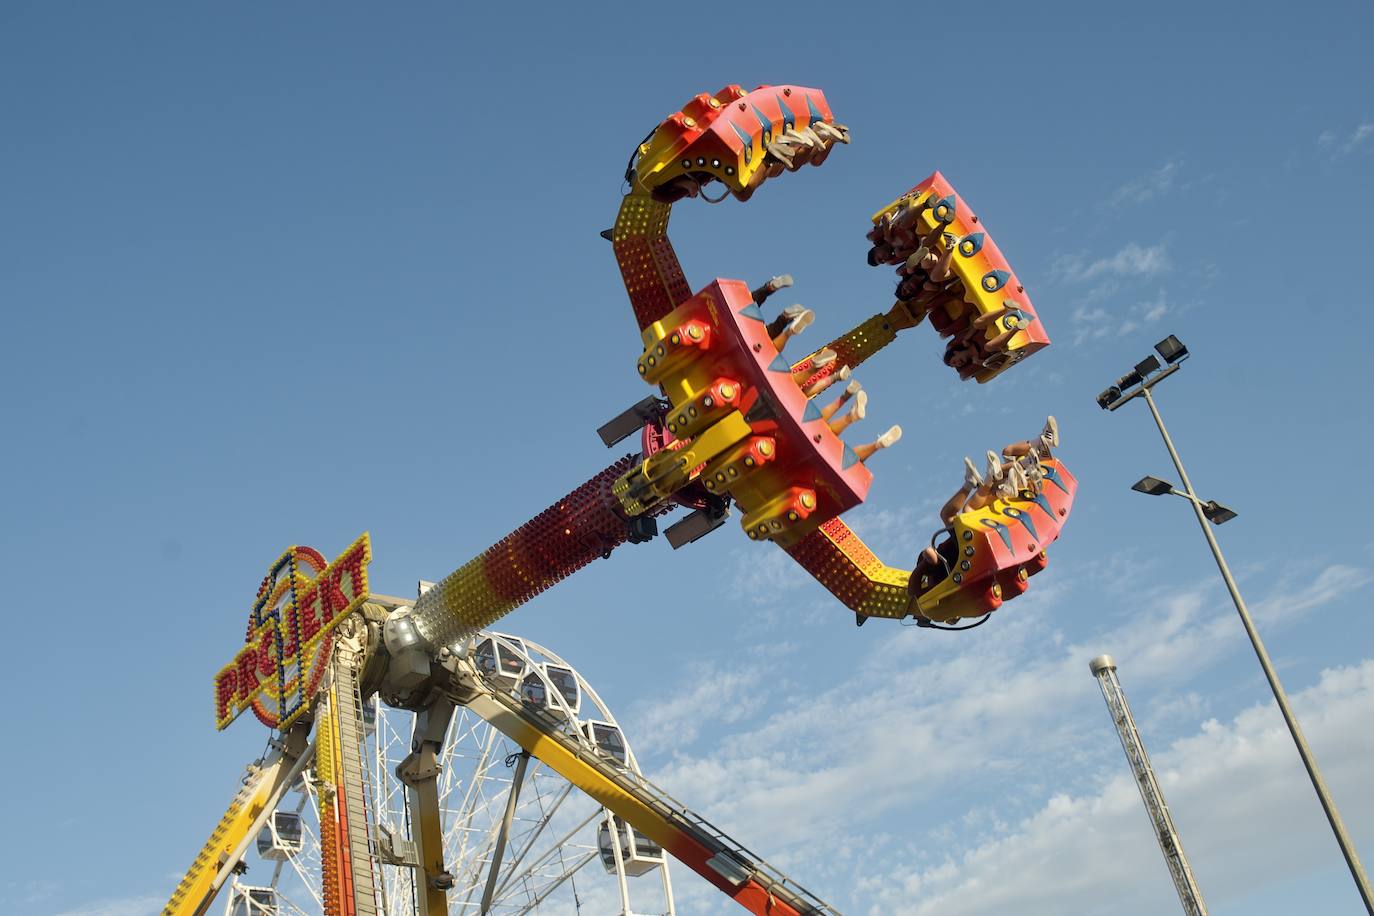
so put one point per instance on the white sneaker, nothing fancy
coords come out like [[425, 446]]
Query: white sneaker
[[915, 259], [995, 470], [1049, 437], [1010, 486], [972, 479], [860, 406], [891, 437], [825, 383]]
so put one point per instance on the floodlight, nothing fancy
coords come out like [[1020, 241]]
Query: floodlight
[[1172, 349], [1146, 366], [1216, 513], [1129, 379], [1108, 397], [1153, 486]]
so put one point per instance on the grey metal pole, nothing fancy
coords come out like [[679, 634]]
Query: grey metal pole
[[1352, 858], [500, 850], [1104, 670]]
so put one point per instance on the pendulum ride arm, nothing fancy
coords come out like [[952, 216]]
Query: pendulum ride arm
[[267, 781], [586, 524], [648, 265]]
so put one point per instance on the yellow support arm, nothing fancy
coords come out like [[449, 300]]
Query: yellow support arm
[[267, 781]]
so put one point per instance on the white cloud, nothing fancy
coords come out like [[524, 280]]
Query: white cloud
[[713, 696], [763, 576], [1133, 260], [1095, 322], [844, 754], [1155, 310], [1100, 313], [1157, 182], [1338, 145], [1299, 593]]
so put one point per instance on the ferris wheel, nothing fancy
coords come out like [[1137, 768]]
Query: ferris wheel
[[519, 838]]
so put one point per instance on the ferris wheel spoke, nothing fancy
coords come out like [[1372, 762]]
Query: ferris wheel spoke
[[555, 850], [291, 906], [311, 882], [481, 806], [577, 866], [533, 837], [482, 864], [479, 776]]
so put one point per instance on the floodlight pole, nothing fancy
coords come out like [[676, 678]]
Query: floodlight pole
[[1352, 858]]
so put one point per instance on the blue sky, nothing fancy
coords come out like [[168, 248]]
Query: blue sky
[[282, 275]]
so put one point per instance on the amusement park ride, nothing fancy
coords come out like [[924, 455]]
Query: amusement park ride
[[385, 822]]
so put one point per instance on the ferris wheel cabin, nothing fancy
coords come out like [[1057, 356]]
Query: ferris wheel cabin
[[254, 901], [536, 685], [280, 836], [638, 854], [606, 739], [501, 659], [565, 682]]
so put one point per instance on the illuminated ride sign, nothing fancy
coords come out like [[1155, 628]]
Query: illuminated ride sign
[[299, 603]]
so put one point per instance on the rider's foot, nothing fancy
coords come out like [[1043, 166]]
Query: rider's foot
[[774, 284], [914, 260], [972, 480], [801, 319], [850, 390], [855, 413], [1049, 437], [810, 367], [888, 438], [827, 381], [995, 470], [1010, 486]]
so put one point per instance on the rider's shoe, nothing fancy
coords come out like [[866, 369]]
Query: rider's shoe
[[972, 479], [1049, 438], [995, 470]]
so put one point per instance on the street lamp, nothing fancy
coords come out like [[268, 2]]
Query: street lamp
[[1216, 513], [1153, 486], [1138, 383]]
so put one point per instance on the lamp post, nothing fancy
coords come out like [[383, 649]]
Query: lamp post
[[1138, 383]]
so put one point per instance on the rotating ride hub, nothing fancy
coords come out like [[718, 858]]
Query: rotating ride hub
[[423, 763]]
